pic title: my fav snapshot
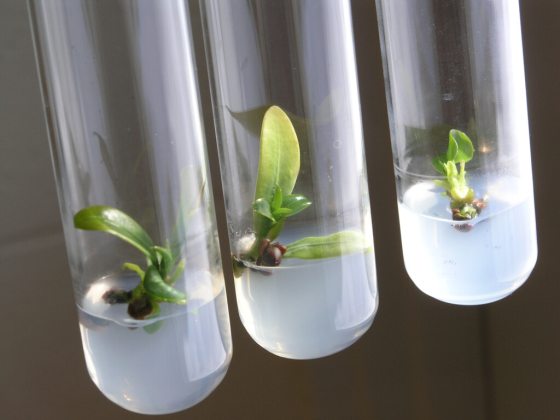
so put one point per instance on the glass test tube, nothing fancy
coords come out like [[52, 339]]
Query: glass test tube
[[459, 129], [122, 106], [287, 111]]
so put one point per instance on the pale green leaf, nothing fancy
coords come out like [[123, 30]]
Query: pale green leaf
[[276, 198], [113, 221], [279, 155], [135, 268], [439, 164], [334, 245]]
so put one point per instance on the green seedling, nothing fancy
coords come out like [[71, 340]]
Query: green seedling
[[162, 270], [275, 202], [464, 205]]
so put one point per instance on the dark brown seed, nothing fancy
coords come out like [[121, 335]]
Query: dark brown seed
[[272, 257], [263, 246], [140, 307]]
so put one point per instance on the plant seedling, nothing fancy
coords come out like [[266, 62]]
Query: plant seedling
[[464, 205], [279, 166], [162, 267]]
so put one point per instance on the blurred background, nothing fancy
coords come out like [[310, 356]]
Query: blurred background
[[421, 359]]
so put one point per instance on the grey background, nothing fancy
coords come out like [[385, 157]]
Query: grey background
[[422, 359]]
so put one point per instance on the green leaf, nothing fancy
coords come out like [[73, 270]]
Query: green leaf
[[160, 291], [291, 205], [134, 267], [113, 221], [275, 230], [296, 202], [465, 149], [262, 207], [439, 164], [277, 198], [165, 259], [279, 155], [451, 170], [282, 213], [334, 245]]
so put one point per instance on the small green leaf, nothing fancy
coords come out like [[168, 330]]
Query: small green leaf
[[165, 259], [439, 164], [465, 149], [276, 199], [275, 230], [113, 221], [134, 267], [262, 207], [334, 245], [282, 213], [296, 202], [160, 291], [291, 205], [279, 155], [451, 170]]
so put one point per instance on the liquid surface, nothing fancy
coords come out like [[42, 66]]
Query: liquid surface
[[157, 366], [308, 309], [468, 262]]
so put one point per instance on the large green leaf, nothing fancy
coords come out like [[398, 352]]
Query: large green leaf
[[279, 155], [334, 245], [113, 221], [462, 146], [160, 291]]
